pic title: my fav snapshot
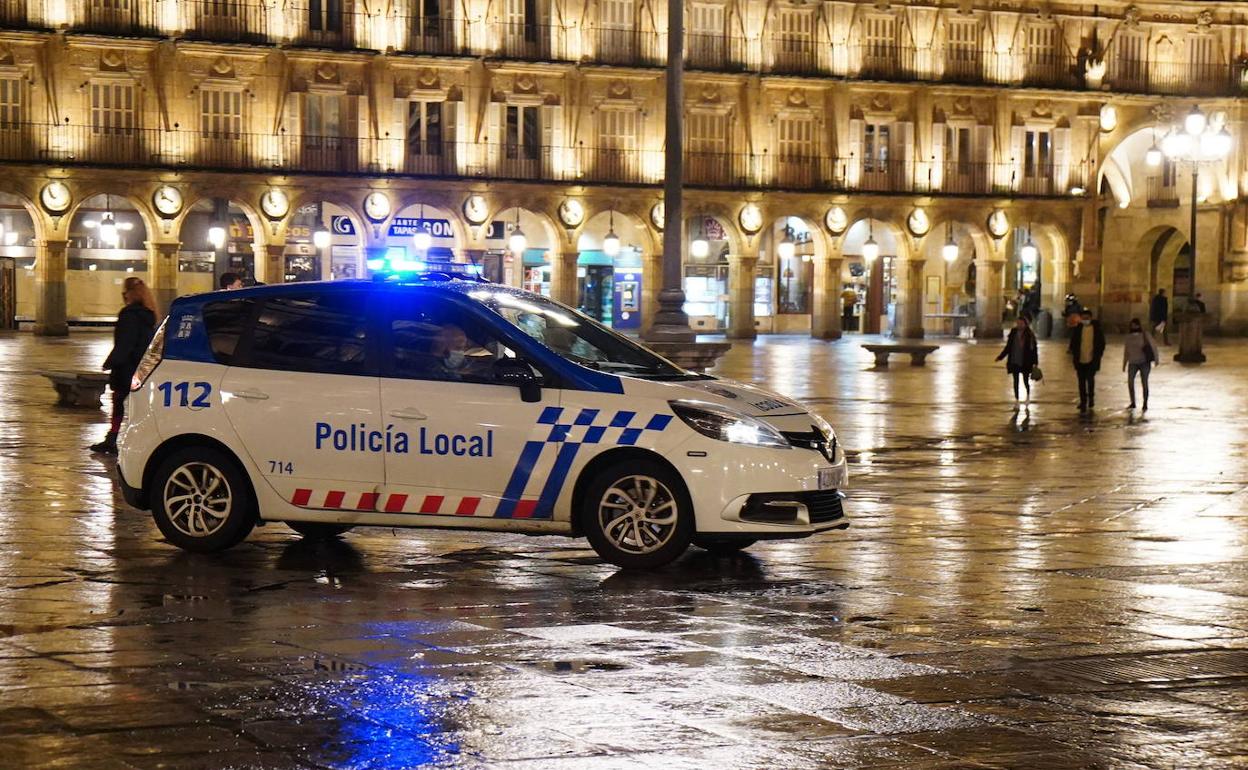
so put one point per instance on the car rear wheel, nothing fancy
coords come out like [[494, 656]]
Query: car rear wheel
[[201, 501], [722, 546], [316, 530], [638, 515]]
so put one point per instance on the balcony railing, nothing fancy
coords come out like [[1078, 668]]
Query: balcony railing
[[157, 148], [524, 40], [1172, 77], [630, 47]]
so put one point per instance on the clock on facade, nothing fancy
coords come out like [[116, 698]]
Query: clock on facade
[[658, 214], [918, 223], [836, 219], [475, 209], [751, 218], [377, 206], [998, 223], [571, 212], [55, 197], [167, 200], [274, 203]]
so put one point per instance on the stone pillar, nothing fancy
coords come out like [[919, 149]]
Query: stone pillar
[[162, 271], [51, 304], [910, 324], [651, 282], [741, 297], [271, 262], [563, 278], [825, 316], [988, 288]]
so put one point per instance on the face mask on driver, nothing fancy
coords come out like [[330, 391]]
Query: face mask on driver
[[455, 359]]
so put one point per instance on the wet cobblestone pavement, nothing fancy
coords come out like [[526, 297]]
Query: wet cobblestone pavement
[[1020, 589]]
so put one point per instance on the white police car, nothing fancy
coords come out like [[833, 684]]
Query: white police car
[[438, 401]]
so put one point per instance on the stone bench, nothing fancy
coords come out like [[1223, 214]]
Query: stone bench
[[78, 388], [918, 353]]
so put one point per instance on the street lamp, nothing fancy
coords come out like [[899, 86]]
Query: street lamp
[[1197, 142], [950, 250], [699, 247], [216, 235], [422, 237], [870, 249], [787, 247], [517, 242], [611, 243]]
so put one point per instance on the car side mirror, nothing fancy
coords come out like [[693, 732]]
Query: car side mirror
[[513, 371]]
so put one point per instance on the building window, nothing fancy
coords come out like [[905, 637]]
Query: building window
[[879, 35], [706, 35], [617, 142], [221, 113], [430, 19], [1038, 154], [795, 44], [1041, 51], [962, 49], [322, 119], [112, 108], [521, 18], [523, 138], [875, 147], [10, 103], [325, 15], [424, 128], [959, 152]]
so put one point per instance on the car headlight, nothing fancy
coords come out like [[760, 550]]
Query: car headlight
[[824, 428], [726, 425]]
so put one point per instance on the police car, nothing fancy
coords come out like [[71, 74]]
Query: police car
[[439, 400]]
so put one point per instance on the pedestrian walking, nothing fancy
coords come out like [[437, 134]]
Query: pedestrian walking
[[135, 325], [1158, 313], [1197, 305], [1021, 354], [1087, 346], [1139, 353]]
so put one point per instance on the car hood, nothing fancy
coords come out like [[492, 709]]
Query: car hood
[[779, 411]]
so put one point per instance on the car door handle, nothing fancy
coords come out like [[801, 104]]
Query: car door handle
[[409, 414], [254, 395]]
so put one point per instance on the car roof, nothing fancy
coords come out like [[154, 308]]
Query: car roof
[[450, 286]]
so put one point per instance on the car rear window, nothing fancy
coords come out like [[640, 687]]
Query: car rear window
[[322, 333], [225, 323]]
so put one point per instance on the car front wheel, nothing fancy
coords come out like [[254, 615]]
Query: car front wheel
[[638, 515], [201, 501]]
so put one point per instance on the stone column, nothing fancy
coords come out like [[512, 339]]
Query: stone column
[[270, 262], [910, 325], [741, 297], [563, 278], [162, 269], [988, 288], [825, 317], [51, 308], [651, 282]]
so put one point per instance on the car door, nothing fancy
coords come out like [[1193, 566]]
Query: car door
[[302, 395], [471, 446]]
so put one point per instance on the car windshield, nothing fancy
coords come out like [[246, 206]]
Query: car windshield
[[578, 338]]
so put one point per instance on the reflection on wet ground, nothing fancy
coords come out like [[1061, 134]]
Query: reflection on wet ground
[[1022, 588]]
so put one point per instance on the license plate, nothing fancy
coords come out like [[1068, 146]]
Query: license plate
[[827, 478]]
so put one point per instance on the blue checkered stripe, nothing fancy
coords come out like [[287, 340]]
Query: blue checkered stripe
[[596, 426], [569, 430]]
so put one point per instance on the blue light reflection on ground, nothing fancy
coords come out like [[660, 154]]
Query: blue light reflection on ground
[[395, 719]]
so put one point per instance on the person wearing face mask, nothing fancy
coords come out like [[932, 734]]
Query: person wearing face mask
[[1021, 354], [1087, 346], [451, 348], [1139, 353]]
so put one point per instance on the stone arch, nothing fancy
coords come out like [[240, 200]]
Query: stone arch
[[791, 295], [342, 258], [9, 197], [197, 195], [151, 223], [610, 287], [1162, 244], [202, 263]]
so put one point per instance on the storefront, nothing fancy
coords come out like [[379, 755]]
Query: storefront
[[784, 278], [609, 288], [322, 244], [706, 275]]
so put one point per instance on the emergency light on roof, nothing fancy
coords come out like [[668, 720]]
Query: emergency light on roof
[[396, 268]]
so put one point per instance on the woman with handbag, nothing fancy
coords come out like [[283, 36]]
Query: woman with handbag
[[1021, 355], [1139, 353]]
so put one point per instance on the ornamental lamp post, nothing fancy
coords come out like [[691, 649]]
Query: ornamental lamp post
[[1196, 141]]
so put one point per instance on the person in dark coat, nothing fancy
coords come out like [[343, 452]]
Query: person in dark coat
[[136, 323], [1021, 354], [1158, 312], [1087, 346]]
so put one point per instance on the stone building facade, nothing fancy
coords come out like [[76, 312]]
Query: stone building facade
[[980, 148]]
